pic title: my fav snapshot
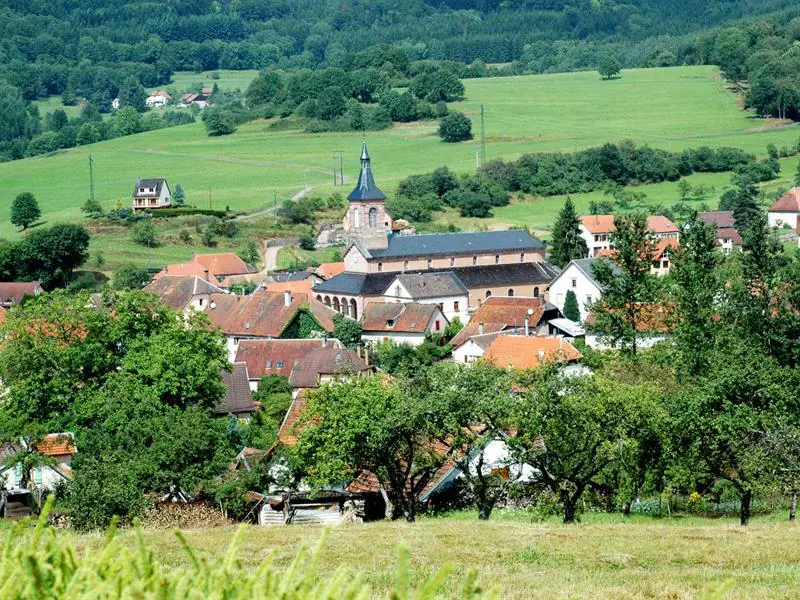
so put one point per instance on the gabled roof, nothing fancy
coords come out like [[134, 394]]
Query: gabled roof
[[512, 311], [409, 317], [365, 188], [718, 218], [597, 224], [729, 233], [484, 340], [177, 292], [473, 330], [586, 266], [287, 434], [237, 399], [189, 269], [149, 183], [263, 357], [12, 292], [326, 361], [328, 270], [264, 314], [525, 352], [224, 263], [292, 276], [430, 284], [663, 246], [295, 287], [448, 244], [57, 444], [789, 202]]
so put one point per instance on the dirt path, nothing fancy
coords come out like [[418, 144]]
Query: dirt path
[[271, 258]]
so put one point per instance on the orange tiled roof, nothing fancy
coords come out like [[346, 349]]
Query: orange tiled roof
[[328, 270], [287, 434], [525, 352], [57, 444], [257, 354], [789, 202], [663, 245], [512, 311], [223, 263], [661, 224], [190, 269], [296, 287], [598, 223]]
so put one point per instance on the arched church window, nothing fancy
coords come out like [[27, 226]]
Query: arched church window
[[356, 217], [373, 217]]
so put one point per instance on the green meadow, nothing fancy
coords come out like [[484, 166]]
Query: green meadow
[[670, 108]]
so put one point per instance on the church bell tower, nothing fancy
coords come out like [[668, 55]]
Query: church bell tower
[[366, 220]]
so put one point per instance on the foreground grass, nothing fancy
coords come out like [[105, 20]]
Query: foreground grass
[[604, 557], [671, 108]]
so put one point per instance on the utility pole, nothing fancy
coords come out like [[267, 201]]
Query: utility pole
[[91, 179], [334, 154], [209, 197], [483, 139]]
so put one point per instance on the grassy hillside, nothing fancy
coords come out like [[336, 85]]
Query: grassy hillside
[[670, 108], [605, 557]]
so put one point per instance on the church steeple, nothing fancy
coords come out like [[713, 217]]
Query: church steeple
[[365, 188]]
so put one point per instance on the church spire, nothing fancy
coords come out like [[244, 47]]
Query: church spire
[[365, 188]]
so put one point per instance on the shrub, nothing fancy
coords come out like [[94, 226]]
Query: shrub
[[219, 121], [130, 277], [455, 127], [307, 241], [144, 234]]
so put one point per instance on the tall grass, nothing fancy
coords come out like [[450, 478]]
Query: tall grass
[[39, 564]]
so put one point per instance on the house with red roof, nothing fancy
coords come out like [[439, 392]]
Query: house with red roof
[[786, 210], [402, 323], [13, 292], [58, 447], [596, 231], [529, 352], [662, 256], [218, 268], [276, 356]]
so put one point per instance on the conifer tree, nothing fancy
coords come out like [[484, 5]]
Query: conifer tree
[[567, 242], [571, 309]]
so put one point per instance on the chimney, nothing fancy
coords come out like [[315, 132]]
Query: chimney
[[480, 328], [287, 298], [324, 341], [366, 356], [527, 329], [205, 275]]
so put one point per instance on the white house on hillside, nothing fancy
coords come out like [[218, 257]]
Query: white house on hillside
[[786, 211], [158, 99], [151, 194], [577, 276]]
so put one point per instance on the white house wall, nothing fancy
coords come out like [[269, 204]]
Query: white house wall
[[585, 290]]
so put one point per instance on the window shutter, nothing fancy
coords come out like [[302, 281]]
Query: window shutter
[[37, 477]]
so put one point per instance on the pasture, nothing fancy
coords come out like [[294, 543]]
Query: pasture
[[606, 556], [670, 108]]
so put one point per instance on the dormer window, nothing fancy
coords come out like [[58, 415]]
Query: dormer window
[[497, 259], [521, 257], [405, 265], [474, 260], [380, 267], [430, 263], [452, 262], [390, 324]]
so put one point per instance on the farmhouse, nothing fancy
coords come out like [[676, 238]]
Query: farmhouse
[[786, 210], [596, 231], [13, 292], [406, 323], [218, 268], [158, 99], [276, 356], [577, 277], [151, 194], [727, 236]]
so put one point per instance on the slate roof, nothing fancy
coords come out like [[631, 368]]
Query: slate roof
[[365, 188], [375, 284], [177, 292], [450, 244], [525, 352], [263, 314], [432, 284], [586, 267], [148, 183], [789, 202], [237, 399], [718, 218], [263, 357], [410, 317], [12, 292], [326, 361], [293, 276]]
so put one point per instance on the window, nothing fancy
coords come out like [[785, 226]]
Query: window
[[397, 290], [536, 292], [268, 364], [373, 217], [201, 302], [511, 292], [497, 259], [405, 265], [380, 267], [279, 364], [589, 300], [560, 299], [356, 218], [665, 264], [574, 282], [474, 260], [437, 325], [488, 293], [521, 257], [455, 306], [655, 264], [390, 323], [430, 263], [452, 262]]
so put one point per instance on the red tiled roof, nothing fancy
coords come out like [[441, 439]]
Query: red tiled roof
[[223, 263], [177, 292], [729, 232], [327, 361], [257, 354], [512, 311], [718, 218], [238, 399], [661, 224], [473, 329], [663, 245], [264, 314], [287, 435], [328, 270], [789, 202], [190, 269], [653, 318], [409, 317], [525, 352], [12, 292], [57, 444], [296, 287]]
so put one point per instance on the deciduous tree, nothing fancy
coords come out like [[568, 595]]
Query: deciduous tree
[[25, 210]]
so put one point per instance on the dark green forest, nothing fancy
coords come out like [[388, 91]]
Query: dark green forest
[[92, 51]]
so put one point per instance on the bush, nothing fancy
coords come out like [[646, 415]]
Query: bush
[[307, 242], [167, 213], [219, 121], [130, 277], [455, 127], [92, 208], [438, 85], [144, 234]]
